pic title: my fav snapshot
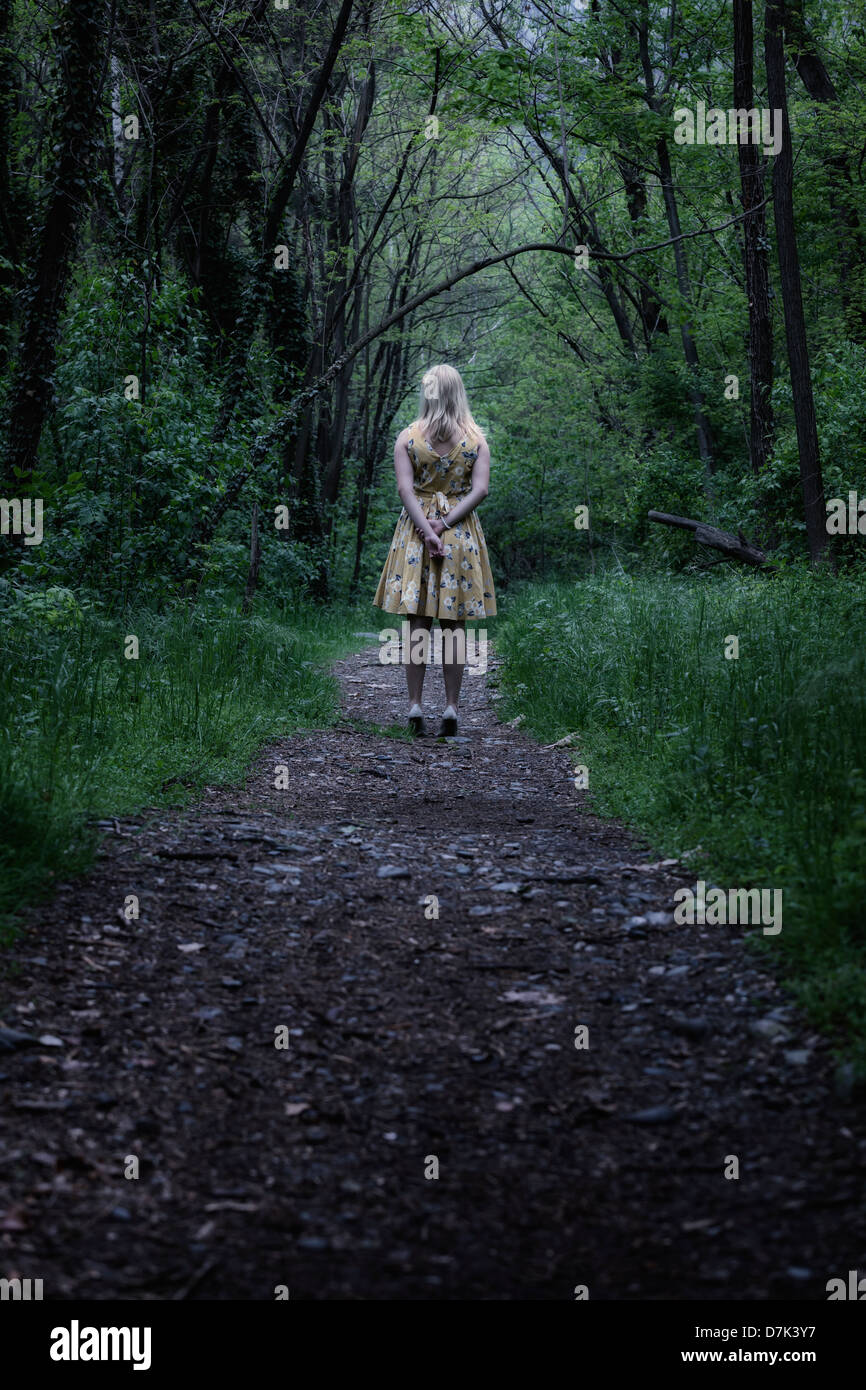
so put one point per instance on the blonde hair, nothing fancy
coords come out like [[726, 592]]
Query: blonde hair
[[444, 407]]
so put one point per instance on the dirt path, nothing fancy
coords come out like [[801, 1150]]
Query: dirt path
[[409, 1039]]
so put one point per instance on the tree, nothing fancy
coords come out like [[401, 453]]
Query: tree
[[792, 298], [669, 196], [755, 250], [81, 50]]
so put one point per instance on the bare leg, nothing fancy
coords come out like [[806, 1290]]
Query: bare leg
[[453, 658], [416, 670]]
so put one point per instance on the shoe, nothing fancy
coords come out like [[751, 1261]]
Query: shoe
[[449, 722], [416, 721]]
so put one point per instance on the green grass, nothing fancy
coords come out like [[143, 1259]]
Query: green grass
[[760, 761], [88, 733]]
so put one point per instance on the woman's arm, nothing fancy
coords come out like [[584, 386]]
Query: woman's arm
[[479, 490], [406, 489]]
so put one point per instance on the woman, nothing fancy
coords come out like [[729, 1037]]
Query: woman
[[437, 566]]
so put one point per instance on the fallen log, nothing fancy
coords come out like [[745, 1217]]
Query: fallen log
[[734, 547]]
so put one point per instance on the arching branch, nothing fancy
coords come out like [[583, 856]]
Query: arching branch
[[305, 398]]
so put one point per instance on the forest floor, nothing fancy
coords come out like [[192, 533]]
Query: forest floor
[[409, 1039]]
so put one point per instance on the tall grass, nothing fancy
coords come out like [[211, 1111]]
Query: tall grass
[[86, 732], [760, 760]]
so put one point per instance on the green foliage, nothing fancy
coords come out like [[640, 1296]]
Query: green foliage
[[665, 482], [125, 481], [54, 607], [760, 761], [88, 733]]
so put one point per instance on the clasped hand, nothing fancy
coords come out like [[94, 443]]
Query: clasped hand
[[434, 543]]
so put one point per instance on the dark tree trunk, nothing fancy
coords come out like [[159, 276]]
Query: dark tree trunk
[[690, 351], [588, 236], [257, 291], [81, 46], [255, 560], [755, 255], [792, 298], [652, 314], [9, 228], [840, 180], [388, 394]]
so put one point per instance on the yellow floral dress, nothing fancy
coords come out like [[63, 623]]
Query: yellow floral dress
[[458, 585]]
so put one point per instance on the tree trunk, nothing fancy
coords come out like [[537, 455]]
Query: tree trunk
[[9, 209], [755, 255], [690, 351], [840, 179], [81, 42], [255, 559], [652, 314], [789, 276], [257, 290], [388, 394]]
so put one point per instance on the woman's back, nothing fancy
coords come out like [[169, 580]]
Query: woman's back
[[449, 473], [438, 565]]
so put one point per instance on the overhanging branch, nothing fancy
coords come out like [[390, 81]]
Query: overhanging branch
[[305, 398]]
